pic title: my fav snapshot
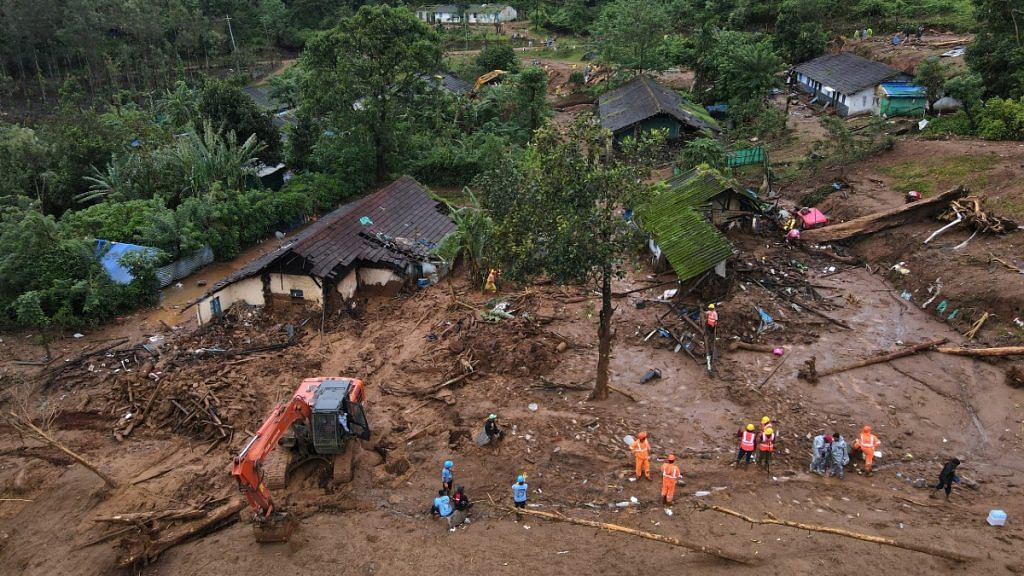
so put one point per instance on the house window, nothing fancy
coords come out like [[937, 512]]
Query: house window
[[215, 308], [296, 293]]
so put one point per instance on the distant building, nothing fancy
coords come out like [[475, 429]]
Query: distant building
[[846, 81], [475, 13], [490, 13], [375, 245], [642, 105], [900, 99]]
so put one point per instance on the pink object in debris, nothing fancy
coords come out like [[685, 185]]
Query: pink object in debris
[[792, 235], [778, 351], [812, 218]]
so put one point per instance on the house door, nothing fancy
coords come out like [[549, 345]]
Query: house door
[[215, 306]]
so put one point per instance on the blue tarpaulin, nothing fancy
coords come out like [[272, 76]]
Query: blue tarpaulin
[[110, 254]]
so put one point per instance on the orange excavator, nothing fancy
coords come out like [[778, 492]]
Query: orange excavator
[[316, 423]]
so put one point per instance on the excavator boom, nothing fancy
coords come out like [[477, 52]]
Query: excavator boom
[[247, 467]]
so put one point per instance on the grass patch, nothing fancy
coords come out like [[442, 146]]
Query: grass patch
[[1009, 205], [931, 175]]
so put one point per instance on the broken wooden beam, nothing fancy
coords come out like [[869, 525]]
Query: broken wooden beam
[[24, 424], [704, 549], [881, 220], [812, 375], [741, 345], [982, 352], [772, 520], [148, 552]]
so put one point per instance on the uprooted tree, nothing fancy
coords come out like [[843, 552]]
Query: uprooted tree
[[557, 210]]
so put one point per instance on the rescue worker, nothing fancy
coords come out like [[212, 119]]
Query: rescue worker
[[460, 500], [946, 478], [492, 429], [641, 450], [820, 449], [491, 284], [710, 322], [446, 476], [766, 447], [839, 455], [867, 443], [766, 422], [519, 490], [670, 474], [443, 507], [747, 438]]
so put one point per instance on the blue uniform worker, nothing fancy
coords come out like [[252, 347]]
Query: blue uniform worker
[[519, 493], [446, 477]]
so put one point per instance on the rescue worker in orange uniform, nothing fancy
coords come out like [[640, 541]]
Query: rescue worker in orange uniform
[[710, 322], [670, 474], [641, 450], [867, 443], [766, 447], [747, 437]]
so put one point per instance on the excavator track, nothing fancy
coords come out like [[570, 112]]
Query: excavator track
[[275, 470]]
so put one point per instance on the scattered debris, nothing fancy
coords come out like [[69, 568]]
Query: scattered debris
[[881, 220]]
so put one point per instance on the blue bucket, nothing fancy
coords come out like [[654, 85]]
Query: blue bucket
[[423, 282]]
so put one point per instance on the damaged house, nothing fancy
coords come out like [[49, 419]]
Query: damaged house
[[845, 81], [375, 245], [685, 221], [642, 105]]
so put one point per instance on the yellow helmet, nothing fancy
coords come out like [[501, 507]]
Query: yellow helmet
[[765, 420], [750, 427], [769, 431], [711, 306]]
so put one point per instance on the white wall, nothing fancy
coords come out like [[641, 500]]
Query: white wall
[[378, 276], [285, 283], [862, 102], [348, 285], [249, 291]]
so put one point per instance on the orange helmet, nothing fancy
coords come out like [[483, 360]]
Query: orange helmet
[[671, 457], [867, 429], [642, 436]]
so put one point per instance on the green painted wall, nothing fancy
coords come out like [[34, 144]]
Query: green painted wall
[[660, 121], [901, 106]]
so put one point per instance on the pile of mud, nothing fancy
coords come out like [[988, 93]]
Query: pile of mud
[[515, 346]]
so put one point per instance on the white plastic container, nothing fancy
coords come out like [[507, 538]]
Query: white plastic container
[[996, 518]]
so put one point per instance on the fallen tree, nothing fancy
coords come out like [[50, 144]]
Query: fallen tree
[[810, 373], [882, 220], [24, 424], [710, 550], [772, 520], [142, 549], [981, 352]]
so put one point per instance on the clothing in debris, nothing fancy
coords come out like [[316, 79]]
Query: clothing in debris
[[947, 477]]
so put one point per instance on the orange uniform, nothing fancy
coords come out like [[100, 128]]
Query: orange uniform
[[669, 475], [641, 450], [868, 443]]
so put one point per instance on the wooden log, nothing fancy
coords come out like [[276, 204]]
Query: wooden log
[[771, 520], [981, 352], [623, 392], [142, 517], [704, 549], [215, 520], [893, 355], [769, 376], [23, 423], [882, 220], [741, 345]]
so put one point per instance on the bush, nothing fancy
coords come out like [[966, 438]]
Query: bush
[[497, 57], [1002, 119]]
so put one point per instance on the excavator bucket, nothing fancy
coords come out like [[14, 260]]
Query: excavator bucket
[[278, 527]]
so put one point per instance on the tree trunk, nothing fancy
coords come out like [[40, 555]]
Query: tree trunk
[[380, 151], [604, 336]]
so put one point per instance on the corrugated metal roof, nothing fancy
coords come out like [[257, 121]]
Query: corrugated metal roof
[[642, 98], [902, 90], [690, 243], [406, 225], [698, 186], [847, 73]]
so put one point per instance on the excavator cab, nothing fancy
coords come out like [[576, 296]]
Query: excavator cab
[[337, 415]]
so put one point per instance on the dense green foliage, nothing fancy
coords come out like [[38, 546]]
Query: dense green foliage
[[997, 54], [631, 34]]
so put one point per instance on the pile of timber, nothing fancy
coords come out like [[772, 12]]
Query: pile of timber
[[882, 220], [968, 210]]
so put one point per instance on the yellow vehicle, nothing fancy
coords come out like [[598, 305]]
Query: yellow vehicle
[[487, 78]]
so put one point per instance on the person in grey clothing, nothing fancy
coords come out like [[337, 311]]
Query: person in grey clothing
[[819, 451], [839, 455]]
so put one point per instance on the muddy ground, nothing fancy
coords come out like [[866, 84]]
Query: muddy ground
[[925, 409]]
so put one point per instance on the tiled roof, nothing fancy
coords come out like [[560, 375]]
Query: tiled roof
[[404, 225], [260, 95], [847, 73], [642, 98], [448, 82], [486, 8], [690, 243]]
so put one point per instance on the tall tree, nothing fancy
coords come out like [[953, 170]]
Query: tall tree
[[630, 34], [968, 89], [931, 74], [997, 54], [366, 72], [557, 211], [800, 30]]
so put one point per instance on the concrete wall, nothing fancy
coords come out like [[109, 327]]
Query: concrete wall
[[348, 285], [378, 276], [284, 284], [862, 102], [249, 291]]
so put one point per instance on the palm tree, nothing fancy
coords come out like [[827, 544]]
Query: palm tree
[[179, 105], [209, 157], [114, 179]]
